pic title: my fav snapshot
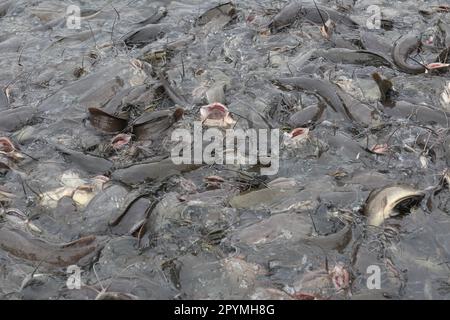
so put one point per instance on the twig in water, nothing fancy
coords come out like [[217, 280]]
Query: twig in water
[[114, 24], [31, 275], [321, 18], [20, 56], [93, 36], [417, 61], [182, 66]]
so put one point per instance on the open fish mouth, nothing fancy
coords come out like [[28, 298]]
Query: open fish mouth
[[390, 201], [404, 205], [216, 114]]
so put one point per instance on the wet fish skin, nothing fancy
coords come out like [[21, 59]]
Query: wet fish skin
[[216, 94], [361, 113], [348, 146], [403, 47], [419, 113], [348, 56], [306, 116], [285, 17], [323, 88], [154, 18], [296, 10], [150, 171], [445, 27], [335, 241], [24, 246], [106, 205], [88, 163], [289, 227], [4, 7], [14, 119], [106, 122], [144, 35], [173, 93], [115, 296], [4, 101], [151, 125], [372, 42], [225, 9], [310, 13], [79, 36], [381, 202], [133, 217], [98, 97]]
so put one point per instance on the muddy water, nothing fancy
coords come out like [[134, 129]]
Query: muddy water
[[73, 192]]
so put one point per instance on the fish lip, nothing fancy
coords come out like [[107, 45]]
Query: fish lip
[[97, 112], [6, 145], [299, 131], [94, 110], [408, 197], [216, 115], [149, 117], [373, 214], [17, 213], [214, 111], [120, 141]]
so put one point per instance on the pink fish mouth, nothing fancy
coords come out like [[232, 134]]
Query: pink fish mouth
[[340, 277], [6, 145], [298, 132], [214, 111], [120, 141], [8, 149], [216, 114]]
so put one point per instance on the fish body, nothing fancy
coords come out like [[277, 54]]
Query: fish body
[[144, 35], [88, 163], [296, 10], [358, 57], [321, 87], [22, 245], [403, 47]]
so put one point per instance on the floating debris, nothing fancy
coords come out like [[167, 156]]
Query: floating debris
[[436, 65], [18, 218], [82, 191], [380, 149]]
